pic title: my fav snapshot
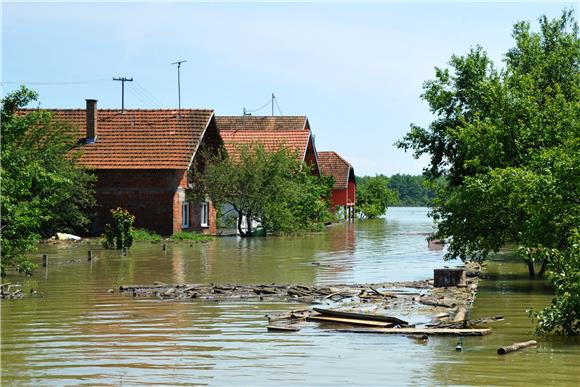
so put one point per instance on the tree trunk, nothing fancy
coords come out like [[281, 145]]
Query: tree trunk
[[542, 269], [240, 231], [531, 269], [249, 222]]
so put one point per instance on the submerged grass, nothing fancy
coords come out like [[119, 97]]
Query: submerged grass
[[142, 234], [190, 236]]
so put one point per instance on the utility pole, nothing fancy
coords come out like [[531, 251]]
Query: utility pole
[[178, 63], [273, 98], [123, 80]]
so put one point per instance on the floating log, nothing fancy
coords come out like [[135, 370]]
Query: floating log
[[362, 316], [274, 328], [431, 302], [516, 347], [468, 323], [423, 331], [350, 321]]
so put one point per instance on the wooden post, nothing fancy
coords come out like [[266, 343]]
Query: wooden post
[[44, 260], [89, 255], [164, 247], [516, 347]]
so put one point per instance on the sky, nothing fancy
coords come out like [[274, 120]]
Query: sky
[[355, 69]]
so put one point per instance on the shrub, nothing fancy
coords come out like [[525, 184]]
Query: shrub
[[119, 234]]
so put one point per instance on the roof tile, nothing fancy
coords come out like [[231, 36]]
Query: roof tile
[[331, 164], [139, 139]]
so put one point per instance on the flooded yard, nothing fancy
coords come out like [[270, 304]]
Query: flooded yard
[[74, 332]]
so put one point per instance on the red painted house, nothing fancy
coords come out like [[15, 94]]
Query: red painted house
[[344, 191], [143, 161], [274, 132]]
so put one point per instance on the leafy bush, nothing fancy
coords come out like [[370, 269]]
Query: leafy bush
[[563, 316], [374, 196], [119, 234]]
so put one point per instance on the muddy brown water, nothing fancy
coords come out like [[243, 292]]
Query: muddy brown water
[[73, 332]]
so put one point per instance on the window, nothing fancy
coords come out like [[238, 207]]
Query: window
[[204, 214], [185, 215]]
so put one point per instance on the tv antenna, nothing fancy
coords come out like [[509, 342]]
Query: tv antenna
[[178, 63], [123, 80]]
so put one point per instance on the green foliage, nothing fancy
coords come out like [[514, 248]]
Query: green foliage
[[563, 316], [43, 190], [141, 234], [373, 196], [508, 145], [119, 233], [190, 236], [413, 191], [270, 187]]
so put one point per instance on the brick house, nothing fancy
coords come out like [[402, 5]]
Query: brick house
[[344, 191], [292, 132], [143, 160]]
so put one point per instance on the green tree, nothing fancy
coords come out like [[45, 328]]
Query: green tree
[[413, 191], [270, 187], [373, 196], [43, 190], [508, 145]]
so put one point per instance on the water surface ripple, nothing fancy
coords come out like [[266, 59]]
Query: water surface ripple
[[75, 333]]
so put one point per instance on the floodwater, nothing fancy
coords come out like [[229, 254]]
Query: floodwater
[[73, 332]]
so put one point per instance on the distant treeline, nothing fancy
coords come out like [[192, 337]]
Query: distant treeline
[[412, 191]]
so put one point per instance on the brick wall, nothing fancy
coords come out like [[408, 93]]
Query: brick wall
[[147, 194]]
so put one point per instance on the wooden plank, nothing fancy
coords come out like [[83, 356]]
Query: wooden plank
[[361, 316], [351, 321], [423, 331]]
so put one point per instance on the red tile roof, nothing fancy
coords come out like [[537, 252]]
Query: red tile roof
[[274, 123], [272, 140], [140, 139], [331, 164]]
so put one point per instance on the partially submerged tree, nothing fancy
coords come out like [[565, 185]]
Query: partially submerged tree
[[272, 188], [508, 144], [373, 196], [43, 189]]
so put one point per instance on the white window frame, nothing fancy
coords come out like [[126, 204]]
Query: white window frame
[[204, 214], [185, 215]]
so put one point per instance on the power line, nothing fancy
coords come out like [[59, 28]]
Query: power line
[[149, 95], [258, 109], [278, 106], [56, 83]]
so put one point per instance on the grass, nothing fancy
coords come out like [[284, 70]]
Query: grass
[[142, 234], [190, 236]]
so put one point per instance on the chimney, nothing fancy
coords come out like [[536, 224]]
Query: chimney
[[92, 119]]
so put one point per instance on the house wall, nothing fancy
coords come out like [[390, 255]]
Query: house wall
[[150, 195], [351, 192], [339, 197], [310, 158]]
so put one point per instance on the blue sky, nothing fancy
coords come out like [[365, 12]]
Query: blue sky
[[356, 70]]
